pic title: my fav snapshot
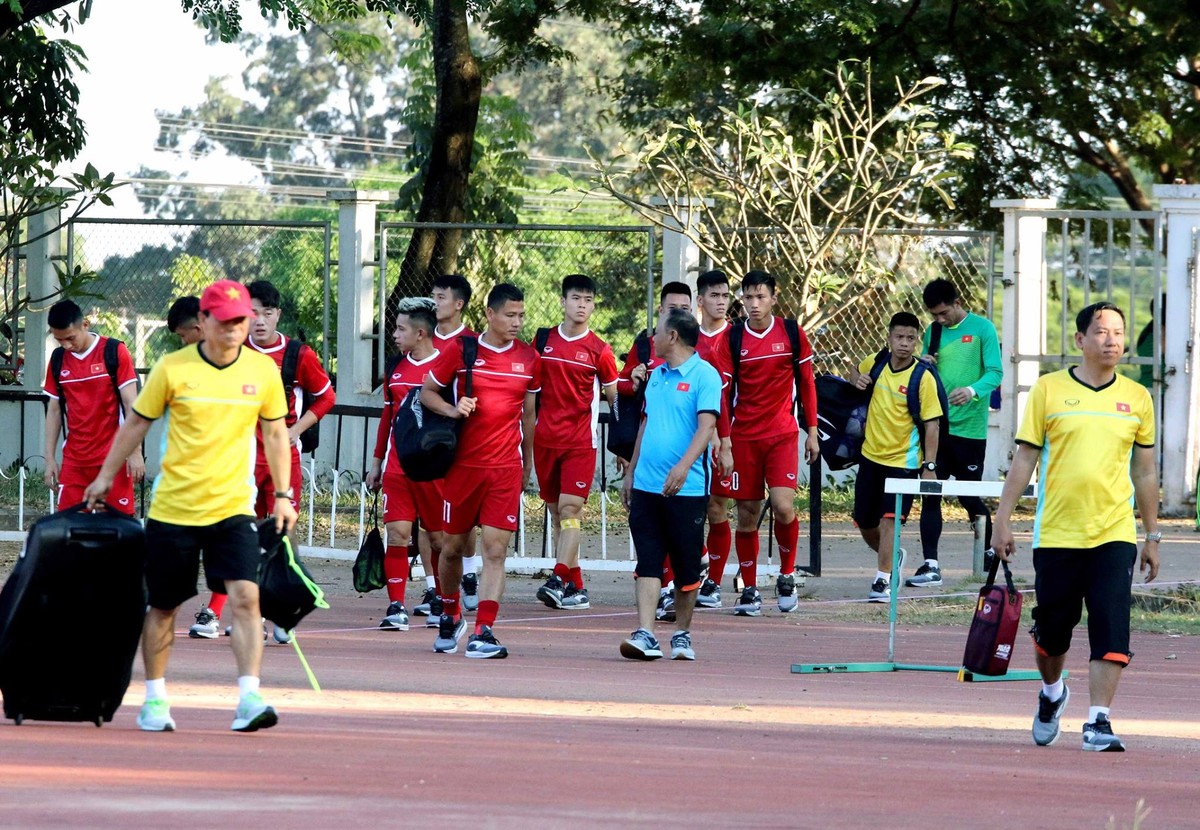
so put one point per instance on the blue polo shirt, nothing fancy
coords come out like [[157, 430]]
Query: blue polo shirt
[[674, 400]]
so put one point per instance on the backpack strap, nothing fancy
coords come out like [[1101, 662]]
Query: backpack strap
[[56, 362], [881, 360], [470, 350], [539, 340], [935, 338], [291, 359], [641, 345], [736, 331], [793, 332]]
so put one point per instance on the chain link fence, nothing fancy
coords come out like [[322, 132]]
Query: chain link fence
[[623, 260], [142, 266], [903, 262]]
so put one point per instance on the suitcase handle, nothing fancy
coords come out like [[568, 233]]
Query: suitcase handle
[[92, 534]]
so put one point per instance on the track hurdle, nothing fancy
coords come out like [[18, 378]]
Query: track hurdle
[[900, 487]]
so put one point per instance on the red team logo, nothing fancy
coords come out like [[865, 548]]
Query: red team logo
[[97, 368], [1123, 407], [518, 367], [580, 355], [903, 390], [778, 347], [967, 338], [249, 389], [683, 387]]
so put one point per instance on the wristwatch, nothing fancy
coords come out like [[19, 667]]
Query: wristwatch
[[1156, 536], [930, 465], [285, 494]]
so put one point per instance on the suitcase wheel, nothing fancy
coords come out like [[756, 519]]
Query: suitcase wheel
[[99, 721], [18, 719]]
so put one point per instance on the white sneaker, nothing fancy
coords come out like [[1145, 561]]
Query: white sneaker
[[207, 626], [155, 716], [253, 714]]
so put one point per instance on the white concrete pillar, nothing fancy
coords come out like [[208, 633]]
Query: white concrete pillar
[[680, 256], [1023, 323], [1179, 431], [41, 253]]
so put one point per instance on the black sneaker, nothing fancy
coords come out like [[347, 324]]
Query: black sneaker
[[551, 594], [665, 612], [1045, 722], [880, 591], [436, 609], [641, 645], [785, 593], [396, 618], [573, 600], [927, 576], [710, 595], [470, 591], [1098, 736], [450, 632], [483, 645], [749, 603], [422, 609]]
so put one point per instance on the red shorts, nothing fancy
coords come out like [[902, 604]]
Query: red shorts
[[264, 502], [405, 500], [488, 496], [74, 479], [564, 472], [775, 462]]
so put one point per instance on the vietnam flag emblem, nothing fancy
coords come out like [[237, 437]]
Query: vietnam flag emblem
[[1123, 407]]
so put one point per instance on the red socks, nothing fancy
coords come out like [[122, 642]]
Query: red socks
[[746, 542], [450, 604], [577, 578], [668, 572], [562, 572], [217, 603], [719, 538], [788, 538], [486, 614], [395, 569]]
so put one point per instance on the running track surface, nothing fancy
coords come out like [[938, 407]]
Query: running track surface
[[565, 733]]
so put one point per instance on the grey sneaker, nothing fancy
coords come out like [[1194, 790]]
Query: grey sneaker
[[421, 609], [449, 633], [681, 646], [749, 603], [880, 591], [396, 618], [551, 594], [927, 576], [484, 645], [281, 635], [641, 645], [1098, 736], [1045, 722], [433, 612], [573, 600], [785, 593], [155, 716], [207, 626], [253, 714], [470, 591], [710, 595], [665, 612]]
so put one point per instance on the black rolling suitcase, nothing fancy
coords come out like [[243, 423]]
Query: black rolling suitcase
[[74, 563]]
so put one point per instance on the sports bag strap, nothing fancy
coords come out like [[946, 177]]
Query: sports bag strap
[[56, 362], [881, 360], [735, 354], [291, 357], [539, 340], [470, 349], [935, 338]]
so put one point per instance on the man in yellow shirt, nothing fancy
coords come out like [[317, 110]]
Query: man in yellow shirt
[[217, 392], [895, 440], [1091, 433]]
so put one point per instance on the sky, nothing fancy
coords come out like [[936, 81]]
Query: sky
[[142, 56]]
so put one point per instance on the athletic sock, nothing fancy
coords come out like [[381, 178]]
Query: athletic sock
[[1053, 691], [1095, 712], [933, 563], [472, 564], [746, 543], [450, 604], [247, 685], [886, 577], [486, 614], [720, 536], [577, 578], [562, 572], [395, 571], [787, 537], [430, 581], [668, 572], [156, 689], [217, 603]]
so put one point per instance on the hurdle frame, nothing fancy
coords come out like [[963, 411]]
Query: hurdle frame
[[900, 487]]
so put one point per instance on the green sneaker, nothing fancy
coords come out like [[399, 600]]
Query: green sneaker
[[155, 717], [253, 714]]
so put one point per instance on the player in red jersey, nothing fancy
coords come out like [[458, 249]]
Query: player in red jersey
[[404, 500], [712, 290], [92, 402], [577, 366], [765, 434], [492, 465], [311, 378], [450, 293]]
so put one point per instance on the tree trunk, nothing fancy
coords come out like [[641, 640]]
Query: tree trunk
[[443, 197]]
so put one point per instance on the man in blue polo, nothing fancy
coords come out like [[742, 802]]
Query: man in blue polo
[[667, 483]]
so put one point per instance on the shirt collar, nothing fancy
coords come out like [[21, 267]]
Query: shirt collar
[[687, 367]]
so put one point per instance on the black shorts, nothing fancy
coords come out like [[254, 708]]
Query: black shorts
[[1065, 579], [961, 457], [229, 547], [672, 526], [870, 502]]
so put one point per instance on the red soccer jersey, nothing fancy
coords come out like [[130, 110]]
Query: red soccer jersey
[[708, 339], [408, 374], [93, 409], [706, 345], [310, 377], [573, 370], [440, 340], [762, 404], [624, 380], [491, 436]]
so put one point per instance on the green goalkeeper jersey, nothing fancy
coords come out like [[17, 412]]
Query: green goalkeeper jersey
[[968, 355]]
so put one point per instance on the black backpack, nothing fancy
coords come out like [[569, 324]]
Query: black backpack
[[110, 363], [425, 441], [841, 420], [913, 395], [310, 439], [287, 592], [623, 429], [736, 333]]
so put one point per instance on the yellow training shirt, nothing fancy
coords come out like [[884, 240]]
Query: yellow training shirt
[[1086, 438], [208, 462], [891, 437]]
